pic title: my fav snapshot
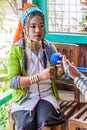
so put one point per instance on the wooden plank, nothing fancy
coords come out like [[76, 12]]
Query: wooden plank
[[67, 107], [83, 56], [70, 107], [75, 116], [84, 115]]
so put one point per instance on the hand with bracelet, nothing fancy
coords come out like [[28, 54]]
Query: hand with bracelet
[[46, 74]]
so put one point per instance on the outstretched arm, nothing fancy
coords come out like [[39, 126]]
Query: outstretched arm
[[79, 79]]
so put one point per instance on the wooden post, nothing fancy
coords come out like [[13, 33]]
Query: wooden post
[[21, 4], [24, 2]]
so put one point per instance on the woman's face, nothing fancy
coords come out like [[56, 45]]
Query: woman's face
[[36, 29]]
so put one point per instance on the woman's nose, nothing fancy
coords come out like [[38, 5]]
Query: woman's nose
[[37, 29]]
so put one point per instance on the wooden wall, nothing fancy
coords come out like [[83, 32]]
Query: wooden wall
[[83, 56]]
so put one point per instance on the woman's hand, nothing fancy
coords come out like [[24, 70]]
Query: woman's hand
[[66, 62], [47, 73], [72, 70]]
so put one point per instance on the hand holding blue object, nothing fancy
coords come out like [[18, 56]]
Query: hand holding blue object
[[57, 57]]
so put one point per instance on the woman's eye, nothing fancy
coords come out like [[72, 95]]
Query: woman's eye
[[42, 25], [33, 27]]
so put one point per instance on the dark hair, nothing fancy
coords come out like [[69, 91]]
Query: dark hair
[[44, 54], [25, 57]]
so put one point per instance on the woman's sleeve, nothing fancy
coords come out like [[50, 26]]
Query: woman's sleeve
[[81, 82], [13, 68]]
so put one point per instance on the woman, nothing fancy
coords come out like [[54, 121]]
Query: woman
[[79, 79], [34, 105]]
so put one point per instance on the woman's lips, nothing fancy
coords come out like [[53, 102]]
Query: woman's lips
[[37, 36]]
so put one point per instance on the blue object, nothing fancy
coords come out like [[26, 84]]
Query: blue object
[[55, 58], [82, 69], [28, 12]]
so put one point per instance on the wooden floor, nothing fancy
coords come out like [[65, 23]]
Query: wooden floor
[[64, 95]]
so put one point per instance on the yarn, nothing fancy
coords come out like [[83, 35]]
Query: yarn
[[55, 58]]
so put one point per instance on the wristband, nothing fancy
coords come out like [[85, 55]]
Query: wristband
[[67, 73], [33, 79]]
